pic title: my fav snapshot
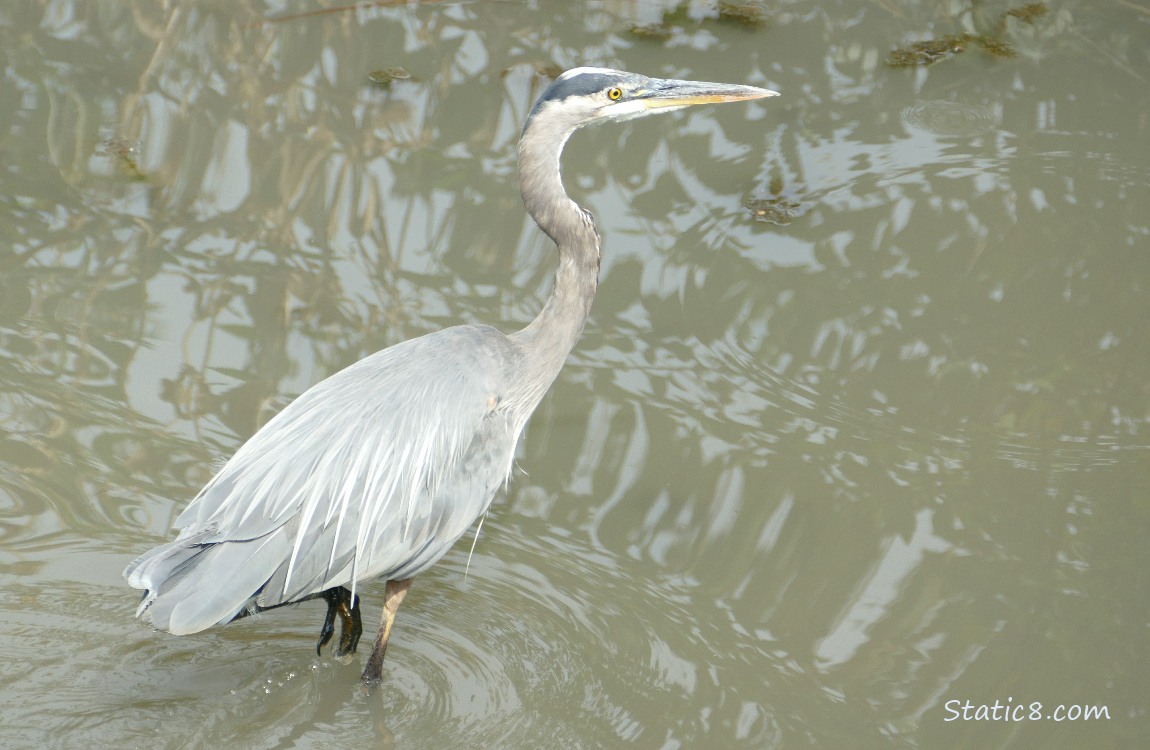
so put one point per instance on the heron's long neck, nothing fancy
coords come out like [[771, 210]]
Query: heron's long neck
[[548, 339]]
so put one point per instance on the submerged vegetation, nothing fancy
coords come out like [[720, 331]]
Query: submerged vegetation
[[656, 31], [1029, 13], [681, 19], [776, 209], [383, 77], [930, 51], [750, 15]]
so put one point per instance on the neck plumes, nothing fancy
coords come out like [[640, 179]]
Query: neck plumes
[[548, 339]]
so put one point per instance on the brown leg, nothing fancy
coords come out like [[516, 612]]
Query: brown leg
[[392, 598]]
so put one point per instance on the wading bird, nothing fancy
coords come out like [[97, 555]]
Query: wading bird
[[376, 471]]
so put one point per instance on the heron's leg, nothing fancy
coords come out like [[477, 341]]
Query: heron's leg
[[392, 598], [352, 626], [331, 596], [340, 602]]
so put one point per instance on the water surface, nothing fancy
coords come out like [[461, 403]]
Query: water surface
[[802, 483]]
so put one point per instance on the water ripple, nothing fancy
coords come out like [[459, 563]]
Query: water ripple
[[947, 118]]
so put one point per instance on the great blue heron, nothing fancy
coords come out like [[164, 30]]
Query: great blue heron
[[376, 471]]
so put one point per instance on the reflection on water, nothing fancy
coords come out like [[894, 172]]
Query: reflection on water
[[798, 485]]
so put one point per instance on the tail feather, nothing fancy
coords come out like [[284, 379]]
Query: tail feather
[[163, 566], [228, 576]]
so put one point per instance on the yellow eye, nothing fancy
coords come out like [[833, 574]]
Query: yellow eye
[[614, 94]]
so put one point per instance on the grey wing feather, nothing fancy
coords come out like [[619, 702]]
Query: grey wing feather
[[375, 471]]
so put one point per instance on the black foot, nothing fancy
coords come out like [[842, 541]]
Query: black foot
[[351, 627]]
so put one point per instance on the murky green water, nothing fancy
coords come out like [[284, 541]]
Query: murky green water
[[805, 483]]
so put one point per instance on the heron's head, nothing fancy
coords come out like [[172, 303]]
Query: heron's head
[[585, 95]]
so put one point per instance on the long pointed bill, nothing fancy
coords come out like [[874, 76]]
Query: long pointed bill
[[665, 94]]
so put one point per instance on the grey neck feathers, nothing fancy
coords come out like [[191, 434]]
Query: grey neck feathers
[[548, 339]]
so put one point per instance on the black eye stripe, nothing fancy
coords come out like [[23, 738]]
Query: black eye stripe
[[581, 85], [586, 82]]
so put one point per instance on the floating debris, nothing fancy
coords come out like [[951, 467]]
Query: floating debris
[[1030, 12], [384, 76], [125, 152], [751, 15], [929, 51]]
